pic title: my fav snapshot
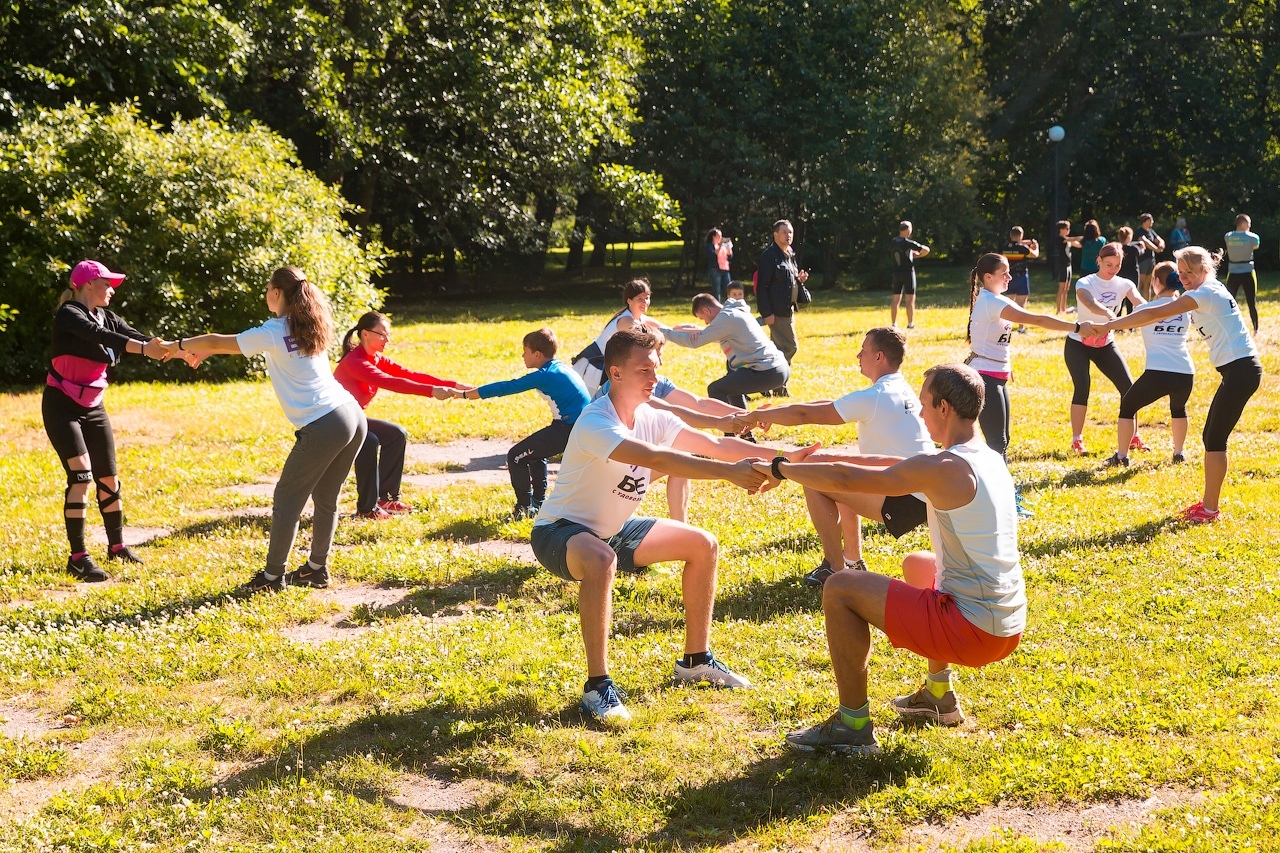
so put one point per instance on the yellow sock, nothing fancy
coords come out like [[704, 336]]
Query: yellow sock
[[939, 682]]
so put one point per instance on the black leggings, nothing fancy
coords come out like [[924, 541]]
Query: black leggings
[[1154, 384], [378, 474], [527, 461], [1249, 281], [1240, 379], [1078, 356], [75, 431], [994, 417]]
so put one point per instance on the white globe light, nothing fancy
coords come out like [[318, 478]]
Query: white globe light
[[1057, 134]]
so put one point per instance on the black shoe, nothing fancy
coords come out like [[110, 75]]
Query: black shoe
[[1179, 458], [858, 565], [1116, 461], [781, 392], [123, 554], [819, 575], [261, 583], [307, 576], [766, 393], [86, 570]]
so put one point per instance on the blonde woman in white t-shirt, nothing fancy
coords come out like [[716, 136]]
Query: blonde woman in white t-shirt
[[1232, 351], [991, 319], [330, 426], [1099, 297]]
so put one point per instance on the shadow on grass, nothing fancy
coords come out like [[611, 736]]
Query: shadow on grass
[[1096, 476], [762, 601], [481, 589], [474, 529], [237, 523], [806, 540], [1138, 534]]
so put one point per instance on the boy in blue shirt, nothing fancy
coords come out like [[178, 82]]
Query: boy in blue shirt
[[563, 391], [1241, 244]]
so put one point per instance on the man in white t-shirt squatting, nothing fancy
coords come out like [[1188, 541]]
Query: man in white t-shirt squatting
[[964, 603], [586, 530], [889, 430]]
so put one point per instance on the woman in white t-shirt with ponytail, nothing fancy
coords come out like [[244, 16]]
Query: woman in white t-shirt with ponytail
[[1216, 316], [1099, 297], [1169, 372], [991, 319]]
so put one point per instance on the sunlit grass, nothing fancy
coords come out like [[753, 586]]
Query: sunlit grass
[[1151, 656]]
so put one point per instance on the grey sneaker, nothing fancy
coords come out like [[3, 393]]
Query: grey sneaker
[[925, 707], [713, 672], [835, 736]]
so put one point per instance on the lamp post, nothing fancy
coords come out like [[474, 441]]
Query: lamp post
[[1056, 135]]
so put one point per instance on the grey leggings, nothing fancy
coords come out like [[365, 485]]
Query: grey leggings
[[316, 469]]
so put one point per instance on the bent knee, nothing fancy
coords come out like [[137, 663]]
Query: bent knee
[[919, 569]]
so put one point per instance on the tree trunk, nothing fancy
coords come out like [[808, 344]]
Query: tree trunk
[[626, 265], [599, 247], [577, 238]]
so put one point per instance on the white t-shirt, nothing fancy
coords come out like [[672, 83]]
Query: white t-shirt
[[593, 489], [977, 547], [304, 384], [1166, 340], [888, 416], [1218, 320], [989, 333], [1108, 294]]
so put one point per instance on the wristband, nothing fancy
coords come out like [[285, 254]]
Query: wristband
[[1077, 328], [180, 340], [775, 470]]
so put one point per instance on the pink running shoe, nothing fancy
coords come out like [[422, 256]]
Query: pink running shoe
[[1199, 515], [1077, 445], [1198, 506], [375, 514], [394, 506], [1137, 443]]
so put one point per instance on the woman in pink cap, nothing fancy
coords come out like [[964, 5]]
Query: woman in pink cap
[[87, 338]]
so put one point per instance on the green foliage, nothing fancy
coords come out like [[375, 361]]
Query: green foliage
[[843, 117], [633, 202], [197, 216]]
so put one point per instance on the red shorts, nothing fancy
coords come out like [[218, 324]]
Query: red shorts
[[927, 622]]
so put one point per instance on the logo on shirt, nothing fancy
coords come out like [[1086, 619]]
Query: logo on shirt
[[1107, 297], [290, 345], [632, 485]]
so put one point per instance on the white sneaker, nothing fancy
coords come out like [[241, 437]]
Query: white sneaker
[[605, 704], [713, 672]]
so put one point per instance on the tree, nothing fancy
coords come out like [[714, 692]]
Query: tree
[[197, 216]]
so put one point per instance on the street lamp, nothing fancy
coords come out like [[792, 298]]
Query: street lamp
[[1056, 135]]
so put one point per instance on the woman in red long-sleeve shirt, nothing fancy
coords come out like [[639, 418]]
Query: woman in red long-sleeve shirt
[[362, 371]]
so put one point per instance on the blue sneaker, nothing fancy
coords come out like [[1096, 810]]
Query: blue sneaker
[[604, 704], [1023, 510]]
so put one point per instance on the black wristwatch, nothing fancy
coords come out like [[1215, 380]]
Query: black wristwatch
[[774, 470]]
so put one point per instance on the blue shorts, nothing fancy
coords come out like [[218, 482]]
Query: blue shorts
[[550, 543], [1019, 285]]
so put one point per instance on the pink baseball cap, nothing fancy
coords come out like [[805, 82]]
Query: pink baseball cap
[[87, 271]]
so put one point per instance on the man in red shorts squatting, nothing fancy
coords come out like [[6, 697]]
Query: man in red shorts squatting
[[965, 603]]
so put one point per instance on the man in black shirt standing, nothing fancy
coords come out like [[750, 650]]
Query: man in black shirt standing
[[905, 251], [777, 289]]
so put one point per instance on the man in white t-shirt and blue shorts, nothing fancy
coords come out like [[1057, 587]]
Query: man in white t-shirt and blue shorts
[[889, 430], [587, 530]]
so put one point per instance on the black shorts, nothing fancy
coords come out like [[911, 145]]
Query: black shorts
[[1063, 271], [904, 281], [903, 514], [550, 543]]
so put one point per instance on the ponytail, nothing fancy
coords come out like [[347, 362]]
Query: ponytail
[[987, 264], [310, 318], [67, 296], [367, 321]]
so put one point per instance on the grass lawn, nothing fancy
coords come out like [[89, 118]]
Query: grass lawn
[[439, 711]]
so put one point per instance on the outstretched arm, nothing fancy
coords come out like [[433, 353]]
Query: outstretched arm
[[945, 480], [793, 414], [1015, 314], [206, 345], [1151, 314], [678, 464]]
